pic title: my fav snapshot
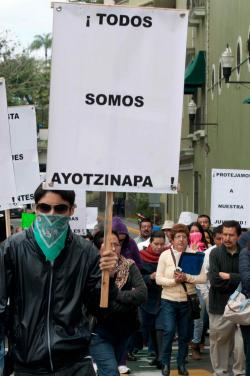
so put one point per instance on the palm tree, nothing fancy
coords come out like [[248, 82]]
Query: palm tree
[[45, 41]]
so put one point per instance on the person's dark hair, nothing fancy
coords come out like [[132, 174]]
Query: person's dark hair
[[210, 235], [234, 224], [244, 229], [146, 220], [98, 239], [217, 230], [99, 236], [206, 216], [68, 196], [88, 236], [179, 228], [201, 230], [157, 234]]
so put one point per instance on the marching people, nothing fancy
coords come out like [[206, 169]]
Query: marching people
[[112, 330], [203, 289], [226, 345], [204, 221], [129, 248], [217, 237], [145, 227], [166, 227], [174, 302], [209, 237], [151, 308], [197, 241], [244, 268], [50, 276]]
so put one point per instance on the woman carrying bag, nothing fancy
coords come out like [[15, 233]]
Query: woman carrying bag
[[176, 286]]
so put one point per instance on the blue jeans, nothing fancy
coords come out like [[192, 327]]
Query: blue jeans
[[245, 330], [1, 357], [174, 315], [107, 353], [198, 324]]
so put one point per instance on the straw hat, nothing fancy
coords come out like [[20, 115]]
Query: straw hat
[[168, 224]]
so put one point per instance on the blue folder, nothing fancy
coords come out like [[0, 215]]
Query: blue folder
[[191, 263]]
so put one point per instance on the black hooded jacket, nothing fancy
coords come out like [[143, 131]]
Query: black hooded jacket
[[49, 328]]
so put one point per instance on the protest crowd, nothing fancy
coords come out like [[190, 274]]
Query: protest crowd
[[86, 301], [168, 284]]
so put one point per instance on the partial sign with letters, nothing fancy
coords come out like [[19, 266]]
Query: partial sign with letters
[[78, 219], [7, 181], [116, 101], [84, 217], [230, 199], [22, 120]]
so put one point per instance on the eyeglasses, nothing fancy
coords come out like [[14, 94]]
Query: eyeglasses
[[46, 208]]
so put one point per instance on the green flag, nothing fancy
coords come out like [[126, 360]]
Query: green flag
[[27, 219]]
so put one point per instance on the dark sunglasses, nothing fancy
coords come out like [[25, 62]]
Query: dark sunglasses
[[46, 208]]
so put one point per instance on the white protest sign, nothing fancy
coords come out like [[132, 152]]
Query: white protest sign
[[7, 181], [187, 217], [84, 217], [22, 120], [92, 213], [230, 199], [78, 220], [116, 100]]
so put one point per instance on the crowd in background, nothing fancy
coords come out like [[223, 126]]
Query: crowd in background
[[152, 304], [164, 317]]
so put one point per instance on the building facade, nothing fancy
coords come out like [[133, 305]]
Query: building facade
[[217, 136]]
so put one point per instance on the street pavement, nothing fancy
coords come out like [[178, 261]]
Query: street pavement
[[141, 366]]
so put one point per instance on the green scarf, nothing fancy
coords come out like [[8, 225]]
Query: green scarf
[[50, 232]]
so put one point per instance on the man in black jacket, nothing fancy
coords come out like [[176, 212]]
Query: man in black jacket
[[226, 346], [51, 277]]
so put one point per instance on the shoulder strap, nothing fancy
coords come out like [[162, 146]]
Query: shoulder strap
[[173, 257], [184, 286]]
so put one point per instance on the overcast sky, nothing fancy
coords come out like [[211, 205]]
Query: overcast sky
[[25, 18]]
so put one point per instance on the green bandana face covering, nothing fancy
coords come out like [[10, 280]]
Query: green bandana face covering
[[50, 232]]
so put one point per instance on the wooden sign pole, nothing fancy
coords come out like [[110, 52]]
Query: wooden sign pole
[[7, 223], [107, 235]]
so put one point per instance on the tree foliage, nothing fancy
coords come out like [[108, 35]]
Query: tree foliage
[[27, 79], [42, 41]]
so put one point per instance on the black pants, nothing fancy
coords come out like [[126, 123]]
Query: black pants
[[245, 330], [82, 368]]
